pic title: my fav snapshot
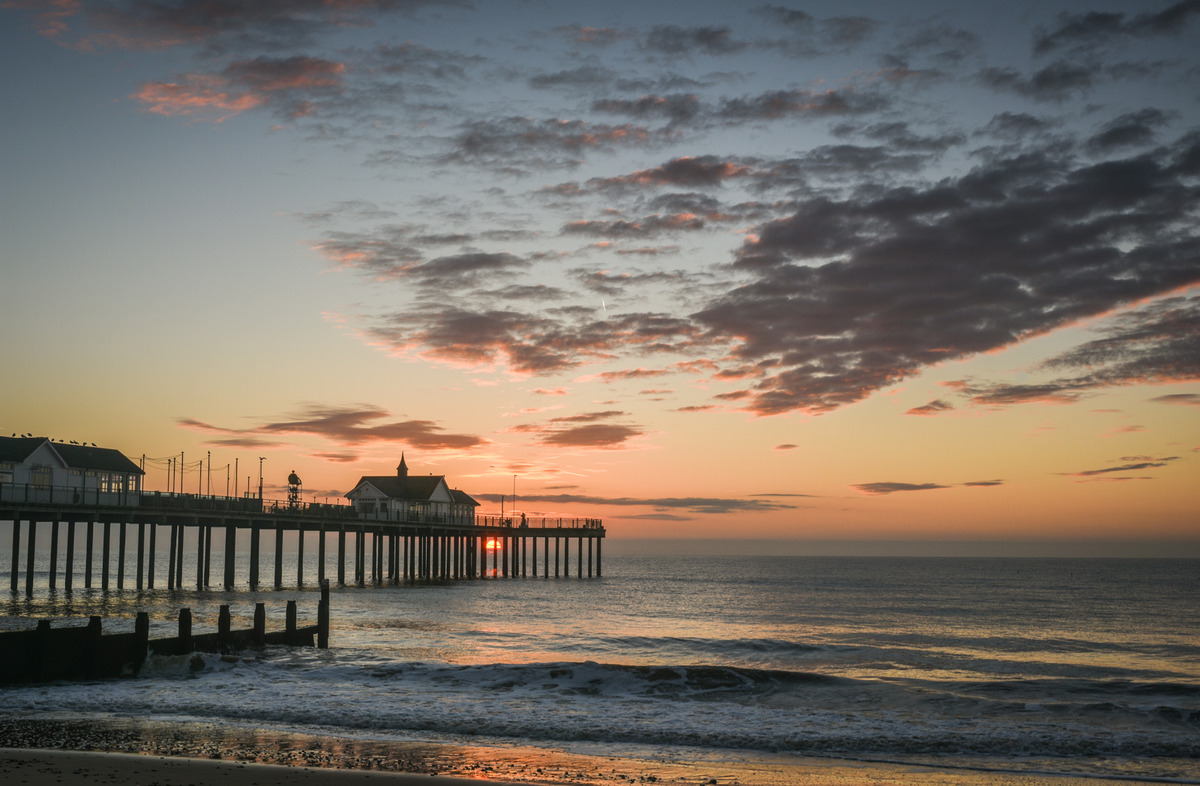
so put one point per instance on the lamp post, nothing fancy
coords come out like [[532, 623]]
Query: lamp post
[[261, 459]]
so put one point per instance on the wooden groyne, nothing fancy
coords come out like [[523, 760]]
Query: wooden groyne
[[49, 654], [201, 532]]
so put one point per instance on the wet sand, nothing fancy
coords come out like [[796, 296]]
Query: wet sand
[[144, 753]]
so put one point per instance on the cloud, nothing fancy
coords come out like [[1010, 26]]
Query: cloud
[[522, 142], [703, 505], [875, 489], [288, 83], [932, 408], [586, 430], [1125, 468], [1186, 399], [839, 303], [1093, 28], [675, 40], [346, 426]]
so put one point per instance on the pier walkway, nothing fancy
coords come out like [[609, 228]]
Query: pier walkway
[[208, 534]]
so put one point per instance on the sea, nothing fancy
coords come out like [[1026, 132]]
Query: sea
[[1080, 667]]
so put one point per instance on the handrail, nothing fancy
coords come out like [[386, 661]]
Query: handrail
[[74, 496]]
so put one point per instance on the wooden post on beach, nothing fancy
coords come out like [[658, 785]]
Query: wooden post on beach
[[141, 640], [291, 620], [224, 625], [260, 624], [323, 617], [185, 630]]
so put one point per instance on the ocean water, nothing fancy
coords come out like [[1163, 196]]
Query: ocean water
[[1087, 667]]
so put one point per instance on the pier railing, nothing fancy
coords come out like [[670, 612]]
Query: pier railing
[[71, 496]]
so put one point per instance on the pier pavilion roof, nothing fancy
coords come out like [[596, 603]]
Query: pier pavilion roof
[[75, 456], [412, 488]]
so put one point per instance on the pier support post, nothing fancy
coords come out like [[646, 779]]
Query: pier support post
[[557, 544], [590, 557], [141, 555], [254, 556], [200, 561], [171, 559], [105, 553], [87, 571], [321, 554], [29, 557], [207, 555], [69, 577], [278, 556], [341, 571], [16, 551], [121, 544], [230, 547], [579, 559], [150, 561], [179, 558], [599, 543], [299, 556], [54, 554]]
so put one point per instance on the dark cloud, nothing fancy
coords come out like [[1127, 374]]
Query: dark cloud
[[677, 108], [515, 142], [586, 430], [585, 77], [852, 295], [151, 24], [648, 226], [810, 35], [1132, 130], [780, 104], [674, 40], [1093, 28], [1056, 82], [1124, 468], [892, 488]]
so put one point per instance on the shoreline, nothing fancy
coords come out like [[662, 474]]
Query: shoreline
[[43, 752]]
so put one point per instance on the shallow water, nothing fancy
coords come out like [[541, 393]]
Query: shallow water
[[1062, 666]]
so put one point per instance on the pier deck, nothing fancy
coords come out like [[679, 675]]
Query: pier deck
[[383, 551]]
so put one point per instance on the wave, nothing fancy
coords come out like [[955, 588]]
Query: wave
[[701, 706]]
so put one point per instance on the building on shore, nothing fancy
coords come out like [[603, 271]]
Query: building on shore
[[412, 498], [36, 469]]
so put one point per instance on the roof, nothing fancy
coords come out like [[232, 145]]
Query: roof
[[18, 449], [414, 487]]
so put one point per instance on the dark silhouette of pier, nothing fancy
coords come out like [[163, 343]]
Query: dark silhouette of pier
[[196, 526]]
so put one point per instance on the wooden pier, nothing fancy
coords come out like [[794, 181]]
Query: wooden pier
[[48, 654], [195, 528]]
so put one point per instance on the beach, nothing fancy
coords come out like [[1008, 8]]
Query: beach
[[142, 753]]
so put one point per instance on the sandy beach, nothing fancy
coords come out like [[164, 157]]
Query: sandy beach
[[77, 768]]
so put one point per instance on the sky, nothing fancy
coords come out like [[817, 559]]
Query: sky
[[864, 277]]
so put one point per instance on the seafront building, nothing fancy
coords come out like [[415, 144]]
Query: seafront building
[[404, 497], [65, 472]]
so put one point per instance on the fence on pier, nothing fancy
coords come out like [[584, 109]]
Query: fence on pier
[[48, 654]]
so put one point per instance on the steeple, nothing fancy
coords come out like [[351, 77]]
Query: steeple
[[402, 469]]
